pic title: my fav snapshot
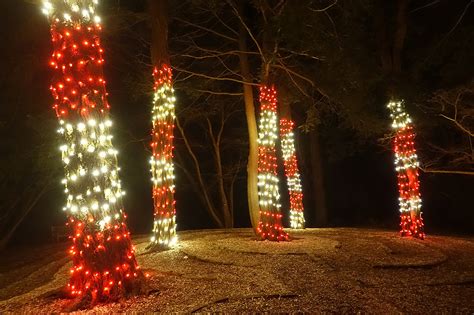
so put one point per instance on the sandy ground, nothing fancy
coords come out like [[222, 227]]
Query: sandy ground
[[320, 270]]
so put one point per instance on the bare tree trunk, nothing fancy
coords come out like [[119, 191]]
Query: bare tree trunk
[[252, 172], [391, 43], [207, 199], [404, 150], [399, 36], [383, 39], [222, 193], [159, 28], [317, 177], [216, 141]]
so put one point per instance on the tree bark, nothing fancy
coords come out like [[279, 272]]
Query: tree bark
[[159, 32], [270, 223], [399, 36], [391, 43], [162, 134], [383, 39], [252, 172]]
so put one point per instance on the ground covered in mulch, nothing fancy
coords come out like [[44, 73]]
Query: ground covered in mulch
[[321, 270]]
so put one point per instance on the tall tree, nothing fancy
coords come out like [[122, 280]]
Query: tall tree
[[290, 161], [391, 42], [163, 116], [406, 165], [104, 265], [252, 163], [270, 223]]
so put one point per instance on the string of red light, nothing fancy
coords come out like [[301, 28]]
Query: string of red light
[[163, 115], [270, 226], [406, 162], [292, 174], [104, 263]]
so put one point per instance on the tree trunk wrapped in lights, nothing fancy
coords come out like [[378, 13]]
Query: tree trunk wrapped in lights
[[164, 226], [292, 174], [269, 226], [406, 165], [163, 116], [104, 264]]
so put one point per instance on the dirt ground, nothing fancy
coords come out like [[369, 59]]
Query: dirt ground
[[321, 270]]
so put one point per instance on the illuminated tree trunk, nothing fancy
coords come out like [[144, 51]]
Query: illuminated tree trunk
[[104, 264], [252, 164], [391, 42], [163, 116], [269, 226], [406, 165], [290, 161]]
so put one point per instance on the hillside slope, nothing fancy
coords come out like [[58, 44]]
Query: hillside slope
[[320, 270]]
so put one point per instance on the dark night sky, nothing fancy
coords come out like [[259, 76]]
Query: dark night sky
[[361, 188]]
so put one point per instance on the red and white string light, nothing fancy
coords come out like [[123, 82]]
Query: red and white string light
[[104, 264], [406, 165], [163, 115], [269, 226], [292, 174]]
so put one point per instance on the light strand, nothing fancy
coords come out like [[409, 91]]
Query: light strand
[[406, 165], [269, 226], [292, 174], [104, 264], [163, 115]]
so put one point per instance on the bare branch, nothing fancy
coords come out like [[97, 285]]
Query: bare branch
[[450, 31], [210, 207], [302, 53], [217, 93], [236, 12], [207, 29], [225, 24], [214, 78], [326, 8], [470, 133], [469, 173], [216, 54], [425, 6]]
